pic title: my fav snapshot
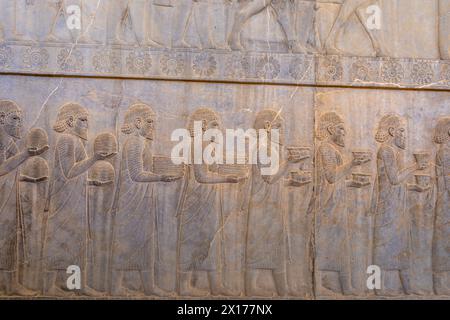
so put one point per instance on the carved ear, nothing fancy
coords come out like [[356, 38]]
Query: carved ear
[[267, 125], [138, 123], [70, 121], [391, 131], [204, 125], [2, 118], [331, 129], [448, 131]]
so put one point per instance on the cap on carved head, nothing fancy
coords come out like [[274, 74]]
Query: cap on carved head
[[67, 111], [325, 121], [388, 121], [442, 130], [266, 115], [7, 107], [138, 110], [202, 114]]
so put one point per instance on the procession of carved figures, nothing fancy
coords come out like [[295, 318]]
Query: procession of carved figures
[[302, 26], [85, 211]]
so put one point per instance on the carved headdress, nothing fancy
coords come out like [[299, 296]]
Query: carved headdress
[[67, 111], [7, 107], [325, 121], [138, 110], [442, 131], [201, 114], [388, 121]]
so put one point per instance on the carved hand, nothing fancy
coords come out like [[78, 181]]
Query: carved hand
[[36, 152], [358, 162], [104, 156], [165, 178]]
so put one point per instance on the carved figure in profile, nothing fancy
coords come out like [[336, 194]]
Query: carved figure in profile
[[285, 17], [266, 233], [332, 243], [33, 192], [134, 230], [200, 215], [195, 10], [11, 121], [66, 231], [101, 178], [441, 236], [391, 235]]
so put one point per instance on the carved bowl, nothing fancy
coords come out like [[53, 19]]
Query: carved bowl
[[165, 166], [422, 158], [36, 168], [423, 180], [299, 152], [362, 155], [102, 171], [37, 139], [105, 144], [361, 178]]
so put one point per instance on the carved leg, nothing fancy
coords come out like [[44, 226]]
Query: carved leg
[[330, 283], [405, 281], [123, 17], [186, 288], [202, 26], [116, 284], [441, 281], [51, 288], [216, 285], [345, 280], [347, 9], [13, 287], [245, 12], [251, 288], [279, 278], [149, 284], [184, 11]]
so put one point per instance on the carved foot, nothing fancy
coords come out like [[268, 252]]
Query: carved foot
[[260, 293], [181, 44], [236, 45], [57, 292], [297, 47], [154, 44], [156, 291], [193, 292], [124, 292], [52, 38], [87, 291], [225, 292], [19, 290]]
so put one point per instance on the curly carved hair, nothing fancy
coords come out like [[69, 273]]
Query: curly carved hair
[[201, 114], [138, 110], [387, 122], [67, 111], [266, 115], [325, 121], [442, 131], [8, 107]]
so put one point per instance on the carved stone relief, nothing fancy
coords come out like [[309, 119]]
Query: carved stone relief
[[350, 98]]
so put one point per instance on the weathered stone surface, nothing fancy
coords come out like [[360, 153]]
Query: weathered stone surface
[[88, 180]]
